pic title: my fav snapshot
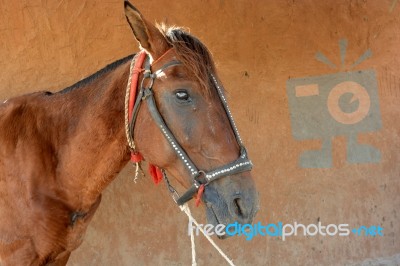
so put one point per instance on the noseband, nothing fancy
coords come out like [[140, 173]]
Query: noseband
[[199, 177]]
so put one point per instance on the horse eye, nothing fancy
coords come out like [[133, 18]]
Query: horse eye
[[182, 95]]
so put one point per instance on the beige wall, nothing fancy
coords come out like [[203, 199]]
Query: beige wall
[[258, 46]]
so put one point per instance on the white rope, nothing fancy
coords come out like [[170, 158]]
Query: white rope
[[185, 208], [129, 138], [194, 263]]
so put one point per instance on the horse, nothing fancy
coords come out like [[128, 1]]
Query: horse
[[60, 150]]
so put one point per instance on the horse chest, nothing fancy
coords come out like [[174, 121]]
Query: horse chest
[[64, 233], [78, 222]]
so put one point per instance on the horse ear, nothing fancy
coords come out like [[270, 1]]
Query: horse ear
[[148, 36]]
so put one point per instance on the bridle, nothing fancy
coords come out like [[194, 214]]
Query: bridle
[[200, 178]]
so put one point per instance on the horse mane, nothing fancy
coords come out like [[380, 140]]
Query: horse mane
[[98, 74], [192, 53]]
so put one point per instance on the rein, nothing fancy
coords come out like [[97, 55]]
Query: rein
[[200, 178]]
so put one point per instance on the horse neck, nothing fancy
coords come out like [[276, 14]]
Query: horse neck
[[95, 147]]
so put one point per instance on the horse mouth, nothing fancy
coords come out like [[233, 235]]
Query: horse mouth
[[212, 218]]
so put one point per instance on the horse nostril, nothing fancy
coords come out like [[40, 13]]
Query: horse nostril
[[237, 207]]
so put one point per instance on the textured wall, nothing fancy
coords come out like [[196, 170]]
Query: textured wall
[[264, 51]]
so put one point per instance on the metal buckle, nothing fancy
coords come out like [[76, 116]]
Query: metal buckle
[[147, 92], [147, 75]]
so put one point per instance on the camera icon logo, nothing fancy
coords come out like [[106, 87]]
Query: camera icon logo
[[340, 104]]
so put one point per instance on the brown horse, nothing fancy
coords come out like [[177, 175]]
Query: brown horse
[[58, 151]]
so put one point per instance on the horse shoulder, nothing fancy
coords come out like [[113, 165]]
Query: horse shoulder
[[34, 214]]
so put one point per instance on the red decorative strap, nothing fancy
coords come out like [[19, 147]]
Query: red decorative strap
[[137, 68], [199, 195]]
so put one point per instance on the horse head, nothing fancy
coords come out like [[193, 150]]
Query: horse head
[[185, 126]]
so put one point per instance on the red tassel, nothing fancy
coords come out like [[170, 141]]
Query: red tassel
[[199, 195], [136, 157], [155, 173], [159, 175]]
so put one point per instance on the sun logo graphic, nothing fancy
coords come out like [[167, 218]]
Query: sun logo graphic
[[339, 104]]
